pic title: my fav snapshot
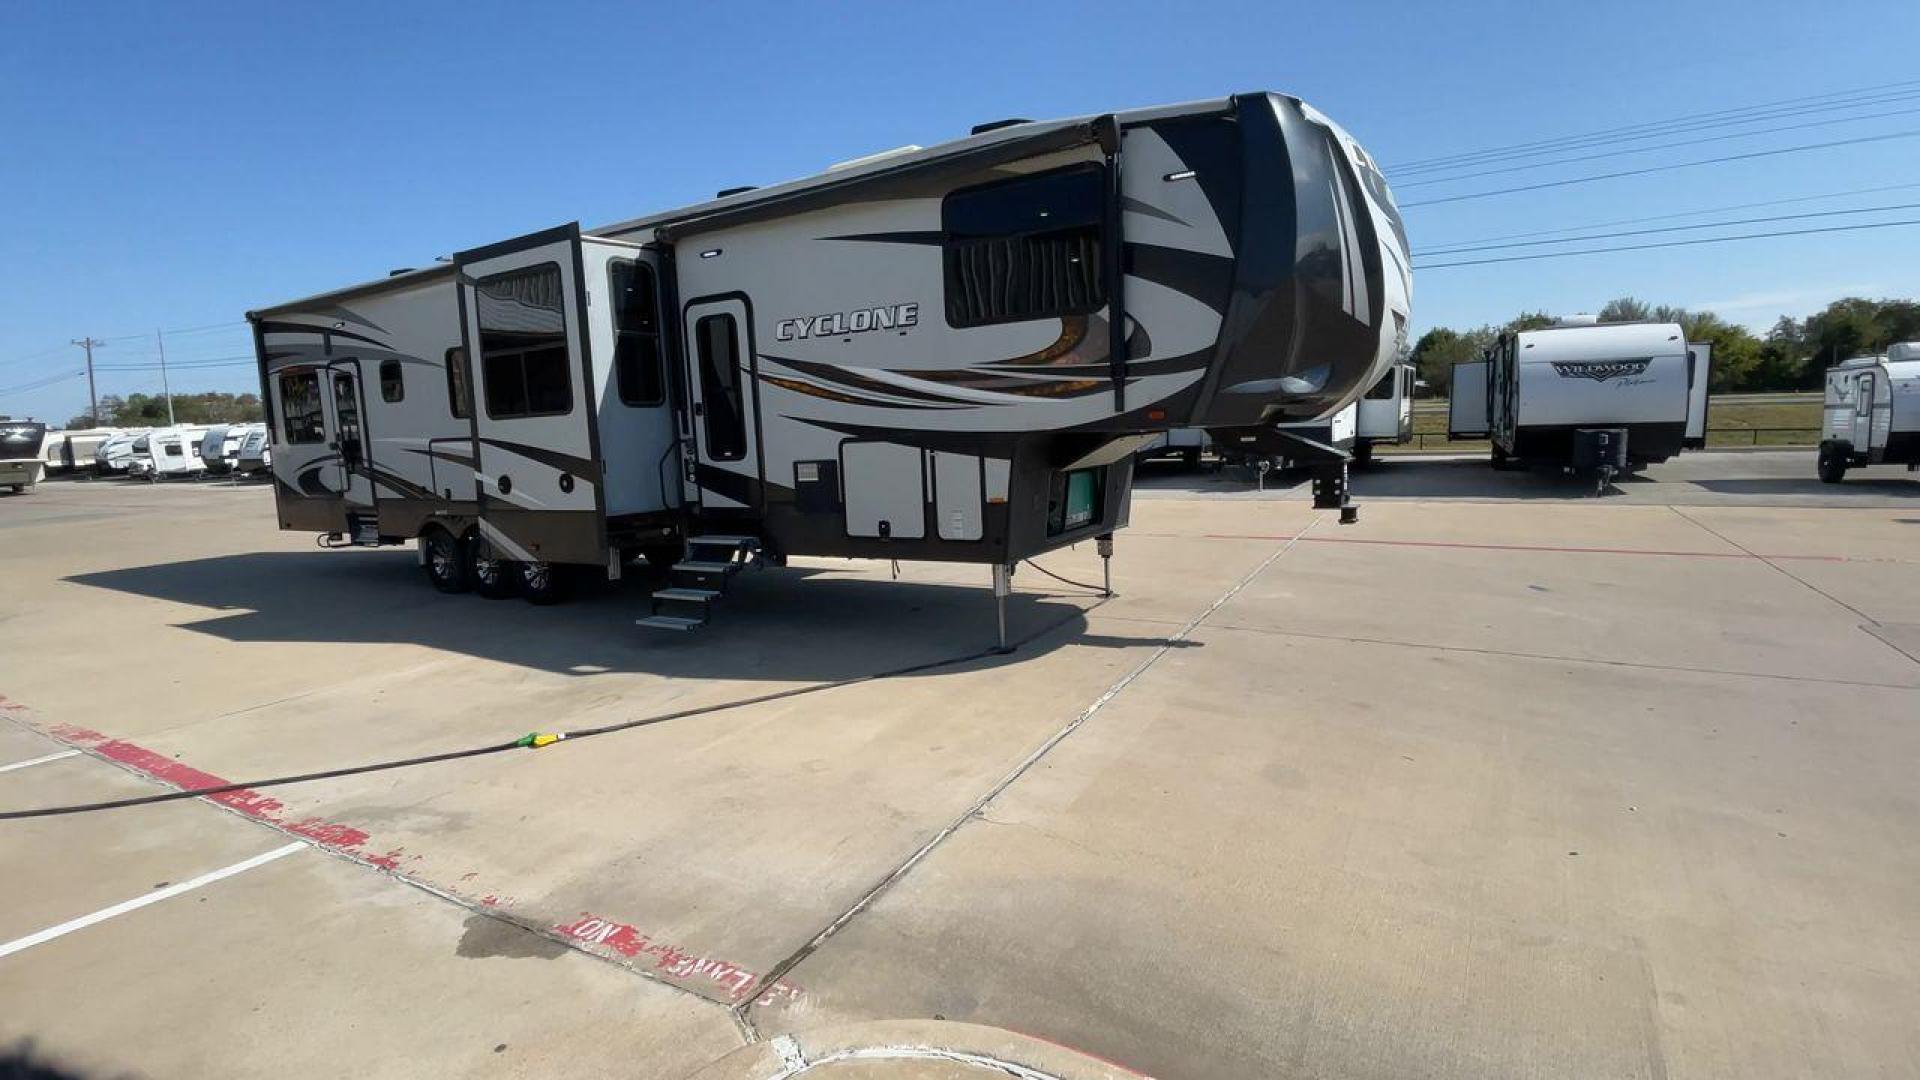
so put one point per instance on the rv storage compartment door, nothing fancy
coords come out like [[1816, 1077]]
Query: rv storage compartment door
[[1467, 401], [539, 471], [958, 510], [886, 493]]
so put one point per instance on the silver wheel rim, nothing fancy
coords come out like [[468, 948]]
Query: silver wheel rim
[[440, 556], [537, 576]]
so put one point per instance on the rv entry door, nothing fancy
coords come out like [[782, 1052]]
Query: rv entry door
[[538, 471], [722, 391], [349, 441], [1863, 387]]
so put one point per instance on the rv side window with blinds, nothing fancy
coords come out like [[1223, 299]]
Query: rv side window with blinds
[[523, 344], [300, 407], [393, 386], [459, 394], [637, 374], [1023, 249]]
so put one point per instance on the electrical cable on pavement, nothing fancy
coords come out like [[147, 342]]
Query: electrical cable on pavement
[[1065, 581], [533, 740]]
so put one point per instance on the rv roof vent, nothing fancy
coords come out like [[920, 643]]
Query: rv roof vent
[[996, 125], [883, 155], [1582, 319], [402, 270], [726, 191], [1906, 350]]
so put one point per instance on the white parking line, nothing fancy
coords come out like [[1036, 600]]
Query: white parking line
[[154, 897], [39, 760]]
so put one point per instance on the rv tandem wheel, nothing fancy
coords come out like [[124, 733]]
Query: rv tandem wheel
[[445, 560], [492, 576]]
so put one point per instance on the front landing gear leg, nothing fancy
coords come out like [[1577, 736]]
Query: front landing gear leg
[[1002, 585], [1105, 546]]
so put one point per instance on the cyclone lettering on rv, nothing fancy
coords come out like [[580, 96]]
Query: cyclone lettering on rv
[[840, 323], [1599, 370]]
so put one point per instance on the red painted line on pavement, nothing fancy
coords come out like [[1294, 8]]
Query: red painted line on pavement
[[1530, 547], [675, 965], [606, 934]]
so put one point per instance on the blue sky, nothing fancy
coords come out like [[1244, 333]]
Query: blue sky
[[170, 166]]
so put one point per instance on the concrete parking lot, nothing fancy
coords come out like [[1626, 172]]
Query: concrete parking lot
[[1503, 781]]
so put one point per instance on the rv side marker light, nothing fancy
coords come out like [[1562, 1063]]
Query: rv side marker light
[[1183, 174], [709, 253], [1156, 414]]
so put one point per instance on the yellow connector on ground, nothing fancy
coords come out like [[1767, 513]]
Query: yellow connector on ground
[[537, 739]]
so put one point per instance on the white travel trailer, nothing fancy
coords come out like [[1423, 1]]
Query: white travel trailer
[[67, 451], [1872, 413], [1385, 413], [254, 456], [169, 453], [220, 447], [116, 453], [21, 464], [941, 354], [1605, 398]]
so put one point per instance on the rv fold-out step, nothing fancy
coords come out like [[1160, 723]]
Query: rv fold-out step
[[671, 622], [699, 579]]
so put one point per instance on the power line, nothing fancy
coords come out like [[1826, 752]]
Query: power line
[[1671, 244], [1645, 125], [1691, 213], [42, 382], [1667, 229], [1654, 148], [1663, 168], [1588, 142]]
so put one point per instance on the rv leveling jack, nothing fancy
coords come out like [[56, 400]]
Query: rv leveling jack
[[1330, 490], [1002, 585], [1105, 546]]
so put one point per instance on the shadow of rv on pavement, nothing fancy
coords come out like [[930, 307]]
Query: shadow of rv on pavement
[[777, 624]]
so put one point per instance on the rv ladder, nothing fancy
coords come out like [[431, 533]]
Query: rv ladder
[[699, 579]]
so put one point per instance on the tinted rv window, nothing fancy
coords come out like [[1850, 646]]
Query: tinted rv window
[[393, 385], [1383, 389], [1025, 249], [718, 340], [459, 393], [523, 344], [300, 407], [636, 350]]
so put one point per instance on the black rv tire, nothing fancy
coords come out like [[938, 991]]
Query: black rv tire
[[446, 561], [1833, 466], [492, 576], [1191, 457], [1363, 453], [1502, 462], [541, 583]]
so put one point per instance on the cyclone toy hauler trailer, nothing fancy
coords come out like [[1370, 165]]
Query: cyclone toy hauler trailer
[[946, 354], [1872, 413], [21, 464], [1596, 398]]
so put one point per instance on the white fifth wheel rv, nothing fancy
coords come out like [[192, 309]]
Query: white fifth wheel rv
[[941, 354], [220, 448], [1603, 398], [254, 456], [1872, 413], [21, 464], [115, 454]]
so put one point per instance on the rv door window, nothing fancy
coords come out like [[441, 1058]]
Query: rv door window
[[459, 393], [1025, 249], [523, 344], [718, 341], [638, 376], [300, 407], [393, 386]]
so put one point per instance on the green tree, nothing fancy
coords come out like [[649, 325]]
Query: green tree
[[1528, 320], [1439, 349], [1624, 309]]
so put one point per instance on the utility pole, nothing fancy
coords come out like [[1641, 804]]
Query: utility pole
[[93, 398], [164, 388]]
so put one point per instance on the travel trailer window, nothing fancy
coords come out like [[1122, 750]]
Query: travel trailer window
[[636, 350], [1026, 248], [393, 385], [1383, 389], [171, 449], [300, 407], [459, 394], [719, 348], [523, 344]]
